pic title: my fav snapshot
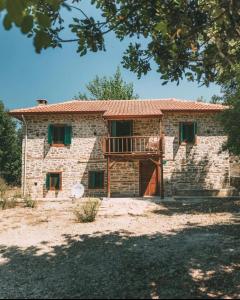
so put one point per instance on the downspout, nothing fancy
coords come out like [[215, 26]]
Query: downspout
[[25, 156]]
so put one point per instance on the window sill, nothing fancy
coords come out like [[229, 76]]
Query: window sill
[[58, 145], [188, 143]]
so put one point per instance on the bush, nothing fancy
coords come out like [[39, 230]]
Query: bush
[[3, 188], [87, 212], [29, 202], [6, 203]]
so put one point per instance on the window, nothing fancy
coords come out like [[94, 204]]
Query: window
[[121, 128], [188, 132], [96, 179], [59, 135], [54, 181]]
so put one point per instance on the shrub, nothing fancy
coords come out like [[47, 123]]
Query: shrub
[[87, 212], [29, 202], [3, 188], [7, 203]]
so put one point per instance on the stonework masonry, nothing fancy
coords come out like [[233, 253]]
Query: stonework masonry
[[201, 166]]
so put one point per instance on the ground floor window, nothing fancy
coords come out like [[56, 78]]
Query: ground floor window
[[54, 181], [96, 179]]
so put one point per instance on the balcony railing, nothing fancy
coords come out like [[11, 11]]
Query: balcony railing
[[132, 144]]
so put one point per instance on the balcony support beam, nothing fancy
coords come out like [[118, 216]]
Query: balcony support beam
[[108, 177]]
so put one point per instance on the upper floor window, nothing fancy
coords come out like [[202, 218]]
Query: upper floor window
[[188, 132], [121, 128], [59, 135]]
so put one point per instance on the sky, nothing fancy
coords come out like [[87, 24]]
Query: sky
[[59, 74]]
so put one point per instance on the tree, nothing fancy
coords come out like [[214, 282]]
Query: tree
[[10, 148], [197, 39], [108, 88], [230, 118]]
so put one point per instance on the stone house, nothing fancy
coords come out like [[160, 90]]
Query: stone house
[[123, 148]]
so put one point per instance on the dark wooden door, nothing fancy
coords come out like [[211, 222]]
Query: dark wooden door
[[148, 178]]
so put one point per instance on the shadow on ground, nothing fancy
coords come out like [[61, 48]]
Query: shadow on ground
[[201, 206], [197, 262]]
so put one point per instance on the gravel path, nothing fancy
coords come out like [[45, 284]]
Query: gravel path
[[135, 249]]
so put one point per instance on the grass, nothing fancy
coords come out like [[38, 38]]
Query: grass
[[87, 211], [6, 201], [29, 202]]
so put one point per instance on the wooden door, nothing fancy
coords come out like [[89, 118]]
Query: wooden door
[[148, 178]]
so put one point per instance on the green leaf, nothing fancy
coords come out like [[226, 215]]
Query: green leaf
[[162, 27], [2, 5], [15, 9], [43, 20], [7, 22], [27, 24], [41, 41]]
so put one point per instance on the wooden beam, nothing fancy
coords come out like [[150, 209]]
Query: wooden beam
[[159, 179], [155, 162], [108, 178], [161, 168], [112, 164]]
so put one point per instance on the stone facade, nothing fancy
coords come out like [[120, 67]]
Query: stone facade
[[195, 167], [200, 166]]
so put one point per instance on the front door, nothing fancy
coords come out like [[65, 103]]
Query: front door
[[148, 178]]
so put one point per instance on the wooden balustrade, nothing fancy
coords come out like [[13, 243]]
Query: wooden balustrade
[[132, 144]]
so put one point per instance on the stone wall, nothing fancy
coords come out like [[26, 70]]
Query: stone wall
[[195, 167], [84, 154], [200, 166], [75, 161]]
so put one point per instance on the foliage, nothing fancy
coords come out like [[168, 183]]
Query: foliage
[[8, 203], [3, 188], [87, 212], [29, 202], [197, 39], [230, 95], [109, 88], [10, 148]]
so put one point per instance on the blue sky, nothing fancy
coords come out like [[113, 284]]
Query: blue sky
[[59, 74]]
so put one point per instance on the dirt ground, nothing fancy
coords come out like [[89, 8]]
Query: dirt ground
[[135, 249]]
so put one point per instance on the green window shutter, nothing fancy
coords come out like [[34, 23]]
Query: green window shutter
[[181, 132], [96, 179], [195, 132], [101, 179], [48, 181], [113, 128], [92, 180], [68, 135], [195, 128], [50, 134]]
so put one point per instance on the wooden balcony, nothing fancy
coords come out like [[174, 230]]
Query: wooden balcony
[[132, 145]]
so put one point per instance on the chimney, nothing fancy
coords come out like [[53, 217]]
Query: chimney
[[41, 102]]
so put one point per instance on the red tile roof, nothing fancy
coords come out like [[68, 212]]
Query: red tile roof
[[121, 108]]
